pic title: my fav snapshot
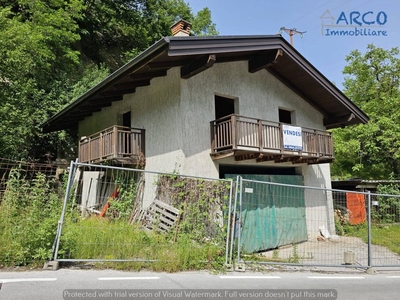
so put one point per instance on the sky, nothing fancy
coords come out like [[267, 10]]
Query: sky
[[325, 51]]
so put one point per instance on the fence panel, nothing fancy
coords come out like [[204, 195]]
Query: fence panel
[[385, 229], [122, 214], [343, 229]]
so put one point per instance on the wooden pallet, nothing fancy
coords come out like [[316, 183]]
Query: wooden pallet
[[159, 216]]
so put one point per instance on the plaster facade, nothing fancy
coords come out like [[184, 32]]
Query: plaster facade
[[176, 115]]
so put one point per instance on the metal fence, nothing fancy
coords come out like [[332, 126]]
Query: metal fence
[[27, 169], [115, 214], [280, 223]]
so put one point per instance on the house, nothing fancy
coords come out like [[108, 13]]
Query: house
[[213, 106]]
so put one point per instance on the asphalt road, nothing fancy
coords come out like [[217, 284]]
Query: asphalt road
[[109, 284]]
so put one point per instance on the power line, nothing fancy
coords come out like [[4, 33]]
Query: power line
[[330, 10], [334, 9], [312, 11]]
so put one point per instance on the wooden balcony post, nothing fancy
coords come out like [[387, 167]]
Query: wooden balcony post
[[101, 145], [233, 132], [142, 141], [89, 156], [115, 141], [281, 137], [260, 139], [316, 144]]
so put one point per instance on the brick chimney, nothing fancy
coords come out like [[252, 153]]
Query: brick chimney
[[181, 28]]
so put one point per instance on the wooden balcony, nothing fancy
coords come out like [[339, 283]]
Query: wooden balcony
[[118, 143], [249, 138]]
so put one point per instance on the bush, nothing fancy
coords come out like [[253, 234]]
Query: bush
[[29, 214], [388, 210]]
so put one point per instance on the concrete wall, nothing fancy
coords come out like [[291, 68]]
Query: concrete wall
[[319, 203]]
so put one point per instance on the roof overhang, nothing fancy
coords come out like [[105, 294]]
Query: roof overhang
[[196, 54]]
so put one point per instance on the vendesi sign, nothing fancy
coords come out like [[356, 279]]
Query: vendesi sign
[[355, 23], [292, 139]]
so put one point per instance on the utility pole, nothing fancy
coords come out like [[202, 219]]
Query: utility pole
[[291, 32]]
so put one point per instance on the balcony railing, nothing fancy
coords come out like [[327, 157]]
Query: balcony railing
[[116, 142], [249, 135]]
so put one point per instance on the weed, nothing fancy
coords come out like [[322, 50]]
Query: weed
[[294, 258], [202, 205], [116, 239], [29, 215], [30, 211]]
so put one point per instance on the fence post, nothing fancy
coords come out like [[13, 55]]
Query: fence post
[[61, 221], [234, 218], [228, 233], [369, 230], [240, 218]]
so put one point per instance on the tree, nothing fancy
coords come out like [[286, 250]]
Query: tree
[[51, 50], [202, 24], [372, 150], [36, 40], [113, 32]]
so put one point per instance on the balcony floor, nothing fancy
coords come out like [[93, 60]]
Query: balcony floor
[[258, 156]]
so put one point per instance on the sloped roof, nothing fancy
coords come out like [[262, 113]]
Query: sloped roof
[[194, 54]]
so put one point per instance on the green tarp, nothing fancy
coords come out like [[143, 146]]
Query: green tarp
[[272, 215]]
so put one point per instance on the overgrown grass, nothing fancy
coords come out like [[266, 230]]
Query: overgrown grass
[[383, 235], [96, 238], [29, 213]]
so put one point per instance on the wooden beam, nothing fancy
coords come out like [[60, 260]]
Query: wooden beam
[[148, 75], [131, 84], [247, 156], [263, 157], [236, 57], [117, 92], [197, 66], [265, 60], [95, 108], [300, 160], [340, 120], [73, 121], [321, 160], [221, 155], [105, 100], [167, 64]]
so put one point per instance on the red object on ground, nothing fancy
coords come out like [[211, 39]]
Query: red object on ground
[[107, 205]]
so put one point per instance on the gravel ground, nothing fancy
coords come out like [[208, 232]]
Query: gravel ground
[[332, 253]]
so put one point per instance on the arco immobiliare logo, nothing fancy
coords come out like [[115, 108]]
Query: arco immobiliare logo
[[355, 23]]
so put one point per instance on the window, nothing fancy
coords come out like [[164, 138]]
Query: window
[[285, 116], [126, 119], [224, 106]]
